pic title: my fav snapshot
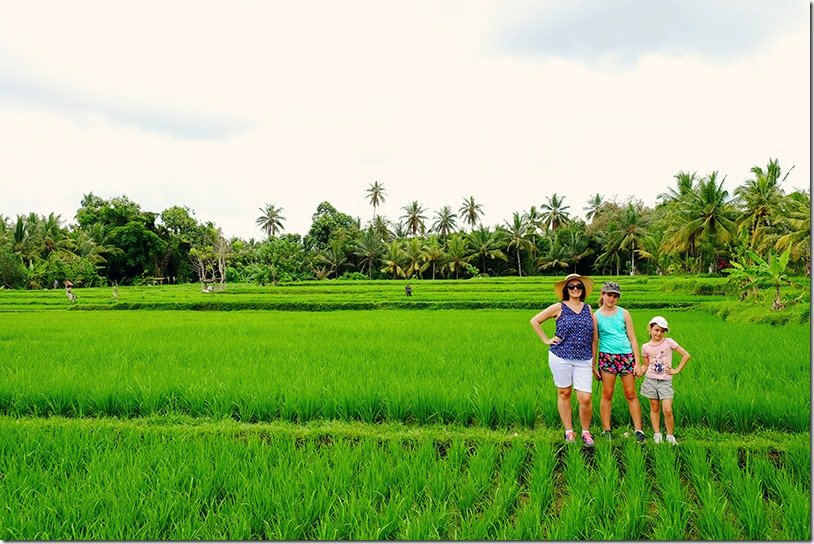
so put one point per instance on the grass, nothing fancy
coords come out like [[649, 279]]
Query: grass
[[382, 424]]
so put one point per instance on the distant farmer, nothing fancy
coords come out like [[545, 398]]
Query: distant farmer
[[56, 284], [572, 350], [408, 291], [617, 354], [69, 291]]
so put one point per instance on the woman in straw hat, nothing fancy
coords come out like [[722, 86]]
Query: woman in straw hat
[[572, 350]]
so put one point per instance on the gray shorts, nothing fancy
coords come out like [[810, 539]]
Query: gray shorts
[[657, 389]]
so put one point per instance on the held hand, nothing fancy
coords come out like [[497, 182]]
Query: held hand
[[597, 374], [639, 371], [553, 341]]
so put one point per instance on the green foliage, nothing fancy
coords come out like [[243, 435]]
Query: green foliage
[[12, 270]]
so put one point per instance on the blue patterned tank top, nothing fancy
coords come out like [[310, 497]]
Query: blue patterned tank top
[[576, 332]]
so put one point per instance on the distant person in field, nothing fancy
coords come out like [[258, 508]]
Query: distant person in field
[[69, 291], [572, 350], [617, 355], [408, 291], [658, 376]]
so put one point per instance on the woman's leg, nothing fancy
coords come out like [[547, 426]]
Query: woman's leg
[[667, 406], [564, 406], [585, 409], [608, 384], [629, 387], [654, 415]]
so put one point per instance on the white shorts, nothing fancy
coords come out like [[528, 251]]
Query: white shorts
[[568, 372]]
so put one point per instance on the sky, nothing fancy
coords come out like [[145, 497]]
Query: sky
[[226, 106]]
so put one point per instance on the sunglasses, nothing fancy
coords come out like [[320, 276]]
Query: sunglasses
[[575, 286]]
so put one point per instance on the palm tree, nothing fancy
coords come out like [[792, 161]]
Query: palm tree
[[593, 205], [795, 223], [485, 244], [705, 217], [334, 256], [760, 198], [271, 222], [414, 263], [471, 212], [445, 221], [381, 227], [456, 254], [393, 259], [685, 183], [535, 222], [554, 214], [626, 234], [414, 217], [433, 253], [517, 237], [369, 249], [375, 194]]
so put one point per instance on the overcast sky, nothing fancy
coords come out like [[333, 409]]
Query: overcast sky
[[224, 106]]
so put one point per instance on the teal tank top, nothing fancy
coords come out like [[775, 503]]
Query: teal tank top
[[612, 332]]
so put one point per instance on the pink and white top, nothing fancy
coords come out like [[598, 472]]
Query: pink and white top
[[660, 358]]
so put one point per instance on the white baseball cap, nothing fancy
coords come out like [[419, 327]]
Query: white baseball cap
[[660, 321]]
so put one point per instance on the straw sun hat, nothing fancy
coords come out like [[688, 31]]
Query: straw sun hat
[[586, 281]]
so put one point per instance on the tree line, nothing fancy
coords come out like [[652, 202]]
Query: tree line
[[695, 227]]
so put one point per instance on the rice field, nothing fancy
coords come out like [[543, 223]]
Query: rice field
[[381, 424]]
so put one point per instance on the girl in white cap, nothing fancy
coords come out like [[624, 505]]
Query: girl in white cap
[[657, 355]]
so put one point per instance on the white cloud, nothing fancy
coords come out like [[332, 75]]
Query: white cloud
[[223, 107]]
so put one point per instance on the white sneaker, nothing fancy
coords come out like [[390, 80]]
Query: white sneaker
[[657, 438], [671, 440]]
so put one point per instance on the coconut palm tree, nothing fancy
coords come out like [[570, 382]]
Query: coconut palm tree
[[554, 212], [518, 237], [333, 256], [393, 259], [433, 253], [795, 225], [271, 222], [414, 262], [484, 244], [685, 184], [627, 233], [445, 221], [593, 205], [381, 226], [760, 200], [569, 245], [471, 212], [375, 195], [369, 249], [414, 217], [457, 257], [705, 220]]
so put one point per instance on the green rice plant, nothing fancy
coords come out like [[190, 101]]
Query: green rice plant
[[577, 515], [635, 494], [673, 508], [711, 518], [321, 366], [745, 492], [608, 498]]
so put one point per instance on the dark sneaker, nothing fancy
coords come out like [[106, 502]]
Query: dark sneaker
[[587, 439], [639, 436], [606, 434], [570, 437]]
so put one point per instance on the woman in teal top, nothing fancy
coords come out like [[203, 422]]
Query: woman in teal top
[[618, 354]]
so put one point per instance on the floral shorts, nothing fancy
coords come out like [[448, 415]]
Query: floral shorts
[[616, 363]]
